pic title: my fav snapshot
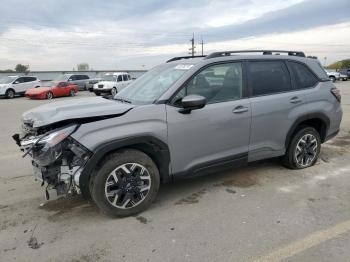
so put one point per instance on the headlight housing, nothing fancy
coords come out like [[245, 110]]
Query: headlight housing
[[49, 148]]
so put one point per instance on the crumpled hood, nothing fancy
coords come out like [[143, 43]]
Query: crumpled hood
[[74, 109]]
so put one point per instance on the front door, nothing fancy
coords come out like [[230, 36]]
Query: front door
[[217, 134]]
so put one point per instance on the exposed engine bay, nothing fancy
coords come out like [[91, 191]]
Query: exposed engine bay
[[57, 158]]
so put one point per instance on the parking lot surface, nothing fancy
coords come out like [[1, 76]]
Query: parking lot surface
[[262, 212]]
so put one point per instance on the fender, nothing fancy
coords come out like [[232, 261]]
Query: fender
[[324, 118], [154, 147]]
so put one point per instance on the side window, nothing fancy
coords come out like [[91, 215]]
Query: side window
[[129, 77], [72, 78], [302, 75], [83, 77], [125, 78], [268, 77], [19, 80], [29, 79], [217, 83], [119, 79]]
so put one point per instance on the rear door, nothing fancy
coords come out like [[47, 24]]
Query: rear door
[[275, 105]]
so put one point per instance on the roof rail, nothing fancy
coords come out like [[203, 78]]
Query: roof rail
[[264, 52], [183, 57]]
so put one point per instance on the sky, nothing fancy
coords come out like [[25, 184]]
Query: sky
[[111, 34]]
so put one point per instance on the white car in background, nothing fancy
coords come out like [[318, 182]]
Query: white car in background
[[112, 83], [10, 86], [333, 75]]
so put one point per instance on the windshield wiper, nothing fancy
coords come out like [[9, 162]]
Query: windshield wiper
[[123, 100]]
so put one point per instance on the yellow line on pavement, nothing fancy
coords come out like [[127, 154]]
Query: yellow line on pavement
[[309, 241]]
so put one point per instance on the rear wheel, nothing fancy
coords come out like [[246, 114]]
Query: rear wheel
[[126, 183], [332, 78], [97, 93], [49, 95], [303, 149], [10, 93]]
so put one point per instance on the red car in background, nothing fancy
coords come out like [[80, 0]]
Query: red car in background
[[52, 89]]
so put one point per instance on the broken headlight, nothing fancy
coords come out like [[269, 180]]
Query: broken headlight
[[49, 148]]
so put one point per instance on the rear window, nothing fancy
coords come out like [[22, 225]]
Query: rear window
[[268, 77], [125, 78], [303, 77]]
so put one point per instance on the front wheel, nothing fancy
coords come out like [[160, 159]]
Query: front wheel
[[303, 149], [114, 91], [49, 95], [332, 78], [10, 94], [126, 183]]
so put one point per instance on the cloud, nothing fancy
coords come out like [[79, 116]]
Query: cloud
[[52, 35]]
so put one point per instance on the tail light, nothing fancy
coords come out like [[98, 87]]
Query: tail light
[[335, 91]]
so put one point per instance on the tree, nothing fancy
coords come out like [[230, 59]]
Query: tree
[[340, 64], [83, 67], [22, 68], [7, 71]]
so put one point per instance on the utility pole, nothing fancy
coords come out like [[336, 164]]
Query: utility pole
[[192, 51], [202, 43]]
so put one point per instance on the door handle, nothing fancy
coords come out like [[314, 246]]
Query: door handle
[[295, 100], [239, 109]]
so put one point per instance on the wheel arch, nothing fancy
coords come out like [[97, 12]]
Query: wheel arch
[[153, 147], [318, 121]]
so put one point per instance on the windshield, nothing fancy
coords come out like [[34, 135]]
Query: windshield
[[151, 85], [7, 80], [61, 78], [109, 78]]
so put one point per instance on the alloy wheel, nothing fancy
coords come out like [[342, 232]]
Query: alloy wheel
[[306, 150], [127, 185]]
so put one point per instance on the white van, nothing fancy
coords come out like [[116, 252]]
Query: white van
[[112, 83], [17, 85]]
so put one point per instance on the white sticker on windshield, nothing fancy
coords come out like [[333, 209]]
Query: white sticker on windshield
[[183, 67]]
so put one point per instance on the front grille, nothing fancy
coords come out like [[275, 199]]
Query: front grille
[[100, 86]]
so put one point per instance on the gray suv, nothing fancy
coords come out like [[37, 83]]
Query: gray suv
[[187, 117]]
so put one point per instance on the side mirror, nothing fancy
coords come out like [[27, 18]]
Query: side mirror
[[192, 102], [16, 82]]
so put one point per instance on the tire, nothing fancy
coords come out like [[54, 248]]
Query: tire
[[105, 188], [10, 93], [332, 78], [49, 95], [72, 92], [301, 154], [114, 91], [97, 93]]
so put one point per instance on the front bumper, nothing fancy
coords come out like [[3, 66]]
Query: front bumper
[[60, 172]]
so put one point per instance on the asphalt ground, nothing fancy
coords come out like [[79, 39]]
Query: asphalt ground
[[262, 212]]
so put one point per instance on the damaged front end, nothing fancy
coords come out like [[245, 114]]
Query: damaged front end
[[57, 158]]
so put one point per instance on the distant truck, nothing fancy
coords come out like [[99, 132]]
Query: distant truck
[[345, 72], [333, 75], [112, 83]]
